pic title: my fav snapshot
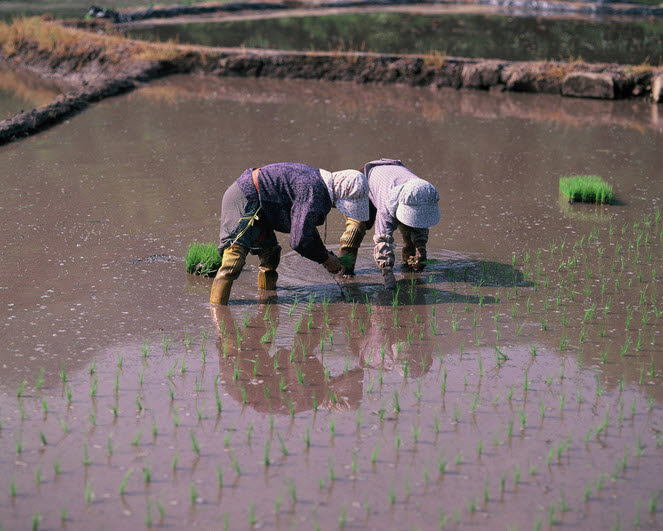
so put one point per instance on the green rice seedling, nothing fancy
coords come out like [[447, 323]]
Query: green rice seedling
[[627, 343], [654, 498], [39, 382], [125, 480], [374, 454], [235, 462], [194, 443], [441, 464], [418, 393], [475, 403], [458, 460], [416, 432], [36, 519], [332, 473], [396, 403], [217, 398], [95, 385], [136, 440], [193, 494], [86, 457]]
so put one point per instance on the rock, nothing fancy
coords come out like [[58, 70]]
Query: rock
[[482, 75], [531, 77], [589, 85], [657, 88]]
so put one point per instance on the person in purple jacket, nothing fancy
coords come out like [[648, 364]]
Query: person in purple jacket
[[285, 197], [401, 200]]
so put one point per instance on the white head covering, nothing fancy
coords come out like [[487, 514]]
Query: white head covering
[[348, 190], [414, 203]]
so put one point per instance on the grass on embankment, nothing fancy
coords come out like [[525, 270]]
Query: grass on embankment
[[586, 189], [32, 37]]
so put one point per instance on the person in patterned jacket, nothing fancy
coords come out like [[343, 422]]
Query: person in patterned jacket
[[398, 199], [284, 197]]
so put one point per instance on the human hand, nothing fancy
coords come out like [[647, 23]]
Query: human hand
[[332, 264], [416, 262]]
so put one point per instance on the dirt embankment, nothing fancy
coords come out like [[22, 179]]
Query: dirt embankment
[[105, 65]]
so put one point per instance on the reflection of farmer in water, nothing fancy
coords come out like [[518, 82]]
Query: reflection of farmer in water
[[284, 197], [272, 383], [385, 346], [398, 198]]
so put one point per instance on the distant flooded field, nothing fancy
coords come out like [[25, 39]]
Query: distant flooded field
[[463, 35], [517, 380]]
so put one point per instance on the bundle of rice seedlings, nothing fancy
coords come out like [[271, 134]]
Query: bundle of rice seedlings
[[202, 259], [586, 189]]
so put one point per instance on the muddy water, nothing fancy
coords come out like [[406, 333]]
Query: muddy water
[[21, 91], [463, 35], [516, 380]]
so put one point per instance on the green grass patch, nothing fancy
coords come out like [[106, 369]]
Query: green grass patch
[[202, 259], [586, 189]]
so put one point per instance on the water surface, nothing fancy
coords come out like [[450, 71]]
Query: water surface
[[20, 90], [486, 388]]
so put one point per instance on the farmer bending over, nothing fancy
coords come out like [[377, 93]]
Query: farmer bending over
[[398, 198], [284, 197]]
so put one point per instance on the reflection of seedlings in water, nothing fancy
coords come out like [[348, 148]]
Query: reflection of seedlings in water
[[292, 490], [89, 495], [416, 431]]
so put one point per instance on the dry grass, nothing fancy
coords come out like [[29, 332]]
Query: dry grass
[[34, 36], [435, 59]]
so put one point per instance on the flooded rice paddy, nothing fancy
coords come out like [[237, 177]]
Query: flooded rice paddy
[[515, 381], [515, 38]]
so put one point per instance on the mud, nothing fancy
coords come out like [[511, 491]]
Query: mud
[[319, 403]]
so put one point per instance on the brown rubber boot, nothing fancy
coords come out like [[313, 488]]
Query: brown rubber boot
[[234, 258], [350, 242], [269, 261]]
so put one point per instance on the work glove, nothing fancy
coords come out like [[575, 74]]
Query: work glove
[[389, 278], [416, 262], [332, 264]]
